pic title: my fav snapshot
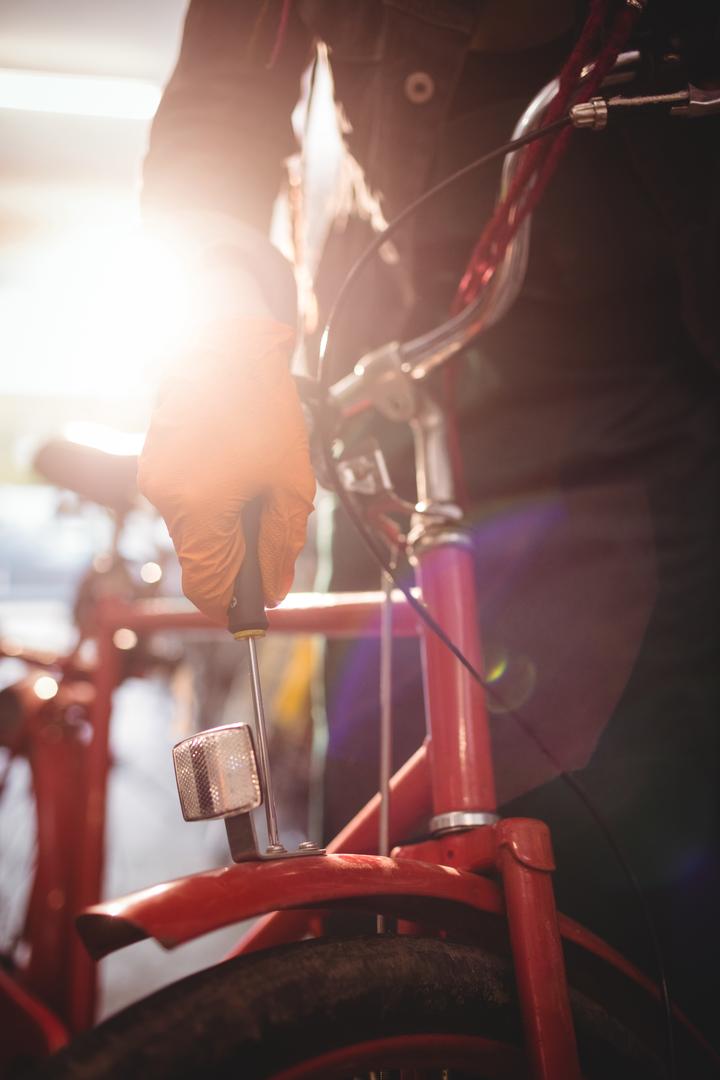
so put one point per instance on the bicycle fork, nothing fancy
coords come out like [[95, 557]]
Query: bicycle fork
[[468, 833]]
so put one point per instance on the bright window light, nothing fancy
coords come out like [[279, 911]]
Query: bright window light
[[102, 437], [78, 95], [96, 312]]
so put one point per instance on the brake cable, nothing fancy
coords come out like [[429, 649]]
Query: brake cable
[[375, 549], [392, 227]]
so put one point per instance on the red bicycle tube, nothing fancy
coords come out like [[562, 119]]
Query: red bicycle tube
[[336, 615], [91, 841], [462, 770], [525, 860], [56, 760]]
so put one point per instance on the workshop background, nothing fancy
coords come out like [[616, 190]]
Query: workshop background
[[88, 317]]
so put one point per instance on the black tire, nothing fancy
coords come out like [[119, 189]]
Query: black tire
[[254, 1016]]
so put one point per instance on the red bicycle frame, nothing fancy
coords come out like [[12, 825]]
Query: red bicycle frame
[[435, 883], [416, 885], [453, 773]]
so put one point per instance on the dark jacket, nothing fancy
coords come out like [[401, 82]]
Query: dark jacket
[[598, 395], [223, 128]]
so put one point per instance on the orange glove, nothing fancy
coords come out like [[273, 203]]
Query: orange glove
[[231, 431]]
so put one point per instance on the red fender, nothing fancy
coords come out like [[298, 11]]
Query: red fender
[[299, 889], [181, 910]]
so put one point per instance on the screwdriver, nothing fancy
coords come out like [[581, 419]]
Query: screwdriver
[[248, 621]]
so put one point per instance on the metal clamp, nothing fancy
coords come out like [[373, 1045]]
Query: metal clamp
[[457, 820], [592, 114], [381, 378]]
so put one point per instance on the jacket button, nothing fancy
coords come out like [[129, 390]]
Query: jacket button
[[419, 87]]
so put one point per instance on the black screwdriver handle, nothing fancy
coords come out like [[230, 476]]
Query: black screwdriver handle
[[246, 614]]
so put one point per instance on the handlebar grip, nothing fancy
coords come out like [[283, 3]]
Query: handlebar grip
[[246, 614]]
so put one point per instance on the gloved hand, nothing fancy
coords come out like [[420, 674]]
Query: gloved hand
[[230, 429]]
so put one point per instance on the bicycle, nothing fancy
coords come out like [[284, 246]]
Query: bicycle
[[45, 727], [440, 994]]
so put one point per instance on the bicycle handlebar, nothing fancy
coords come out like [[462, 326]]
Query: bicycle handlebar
[[379, 373]]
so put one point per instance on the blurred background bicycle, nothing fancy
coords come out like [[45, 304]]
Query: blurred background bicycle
[[84, 300]]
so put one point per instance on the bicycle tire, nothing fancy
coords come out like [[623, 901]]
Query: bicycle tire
[[256, 1016]]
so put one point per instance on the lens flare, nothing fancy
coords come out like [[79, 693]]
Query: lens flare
[[151, 572], [45, 687], [125, 639]]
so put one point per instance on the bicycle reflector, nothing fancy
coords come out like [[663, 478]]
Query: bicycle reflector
[[216, 773]]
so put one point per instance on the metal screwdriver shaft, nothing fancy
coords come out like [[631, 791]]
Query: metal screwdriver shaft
[[247, 621], [385, 725], [262, 741], [385, 716]]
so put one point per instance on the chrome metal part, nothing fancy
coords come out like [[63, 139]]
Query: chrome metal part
[[591, 115], [261, 732], [381, 379], [384, 377], [243, 843], [243, 852], [429, 350], [365, 474], [217, 774], [385, 715], [386, 731], [622, 72], [699, 103], [433, 523], [241, 838], [440, 513], [281, 852], [433, 471], [457, 820], [424, 536]]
